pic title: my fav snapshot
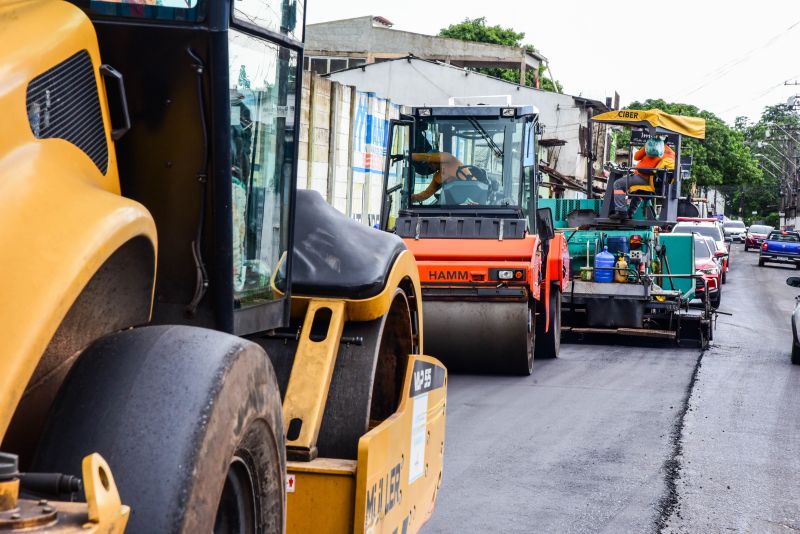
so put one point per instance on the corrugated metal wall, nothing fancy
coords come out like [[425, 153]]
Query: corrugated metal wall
[[343, 135]]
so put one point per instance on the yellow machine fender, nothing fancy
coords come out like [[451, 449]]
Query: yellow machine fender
[[59, 223], [392, 483], [400, 461]]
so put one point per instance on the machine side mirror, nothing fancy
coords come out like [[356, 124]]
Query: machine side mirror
[[544, 223], [728, 239], [720, 254], [793, 281]]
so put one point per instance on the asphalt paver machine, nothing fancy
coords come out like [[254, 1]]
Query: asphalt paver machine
[[461, 190], [136, 389], [648, 289]]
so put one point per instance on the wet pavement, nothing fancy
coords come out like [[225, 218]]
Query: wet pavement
[[612, 438]]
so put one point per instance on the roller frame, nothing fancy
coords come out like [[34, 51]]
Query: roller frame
[[372, 464]]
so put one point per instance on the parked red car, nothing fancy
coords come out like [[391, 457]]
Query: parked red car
[[756, 235], [707, 265], [709, 227]]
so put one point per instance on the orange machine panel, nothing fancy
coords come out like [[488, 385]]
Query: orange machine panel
[[473, 249]]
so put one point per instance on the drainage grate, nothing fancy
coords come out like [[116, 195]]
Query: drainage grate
[[63, 103]]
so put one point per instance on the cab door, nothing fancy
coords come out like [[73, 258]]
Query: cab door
[[396, 176]]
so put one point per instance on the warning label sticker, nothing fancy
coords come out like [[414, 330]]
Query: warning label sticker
[[419, 424], [290, 483]]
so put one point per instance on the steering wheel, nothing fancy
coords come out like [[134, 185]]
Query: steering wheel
[[479, 175]]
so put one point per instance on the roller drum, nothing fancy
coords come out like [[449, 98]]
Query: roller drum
[[480, 337]]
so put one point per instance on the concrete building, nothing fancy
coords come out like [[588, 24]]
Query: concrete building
[[341, 44], [570, 149]]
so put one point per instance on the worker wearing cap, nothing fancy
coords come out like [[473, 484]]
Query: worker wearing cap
[[446, 167], [655, 154]]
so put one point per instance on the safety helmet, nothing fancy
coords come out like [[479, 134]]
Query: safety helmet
[[654, 147]]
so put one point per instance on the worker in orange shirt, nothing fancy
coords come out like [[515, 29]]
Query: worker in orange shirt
[[446, 166], [655, 154]]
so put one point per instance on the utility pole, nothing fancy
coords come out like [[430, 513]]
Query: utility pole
[[589, 154]]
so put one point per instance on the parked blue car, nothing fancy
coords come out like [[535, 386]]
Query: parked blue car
[[780, 247], [794, 281]]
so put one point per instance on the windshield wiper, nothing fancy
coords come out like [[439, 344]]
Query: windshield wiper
[[496, 149]]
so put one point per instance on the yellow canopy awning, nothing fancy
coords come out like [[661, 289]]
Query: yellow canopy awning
[[657, 121]]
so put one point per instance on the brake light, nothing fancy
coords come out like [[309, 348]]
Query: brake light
[[764, 246], [698, 219]]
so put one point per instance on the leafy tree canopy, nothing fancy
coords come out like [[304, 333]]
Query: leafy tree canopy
[[772, 139], [477, 30]]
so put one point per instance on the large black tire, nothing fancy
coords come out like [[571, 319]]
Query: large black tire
[[716, 299], [795, 354], [548, 344], [189, 421]]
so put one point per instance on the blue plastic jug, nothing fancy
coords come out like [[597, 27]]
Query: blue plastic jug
[[618, 244], [604, 266]]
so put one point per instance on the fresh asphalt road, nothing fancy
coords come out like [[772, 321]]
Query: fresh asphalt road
[[613, 438]]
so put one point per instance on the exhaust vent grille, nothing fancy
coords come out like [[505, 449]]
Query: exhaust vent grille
[[63, 104]]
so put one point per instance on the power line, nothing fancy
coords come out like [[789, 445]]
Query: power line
[[726, 68], [748, 101]]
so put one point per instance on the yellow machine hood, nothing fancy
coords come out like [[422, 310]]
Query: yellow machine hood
[[657, 120]]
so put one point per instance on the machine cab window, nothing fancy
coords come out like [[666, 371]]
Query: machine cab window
[[457, 159], [467, 161], [176, 10], [262, 89], [279, 16]]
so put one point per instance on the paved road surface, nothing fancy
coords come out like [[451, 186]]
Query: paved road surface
[[611, 438]]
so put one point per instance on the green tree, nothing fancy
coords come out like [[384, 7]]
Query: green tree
[[773, 140], [477, 30]]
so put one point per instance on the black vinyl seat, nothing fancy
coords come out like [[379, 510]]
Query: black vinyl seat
[[335, 256]]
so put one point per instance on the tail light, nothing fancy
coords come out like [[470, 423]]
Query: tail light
[[764, 246]]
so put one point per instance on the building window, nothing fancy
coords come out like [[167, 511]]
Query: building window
[[324, 65], [319, 65], [337, 64]]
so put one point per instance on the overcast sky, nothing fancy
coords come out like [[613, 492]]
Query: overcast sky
[[731, 58]]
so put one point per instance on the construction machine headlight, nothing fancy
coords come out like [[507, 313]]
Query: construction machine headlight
[[504, 275], [508, 112], [424, 112]]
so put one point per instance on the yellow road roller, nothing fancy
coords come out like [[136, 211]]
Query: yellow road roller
[[259, 371]]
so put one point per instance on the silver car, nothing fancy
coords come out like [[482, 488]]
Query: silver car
[[736, 230]]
